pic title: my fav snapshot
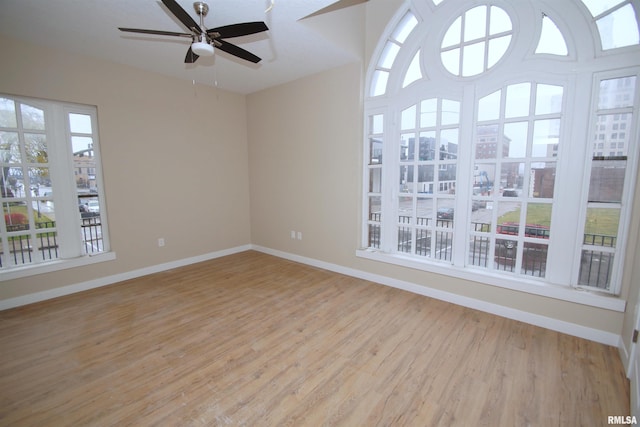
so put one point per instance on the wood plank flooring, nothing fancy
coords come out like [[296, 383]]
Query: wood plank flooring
[[254, 340]]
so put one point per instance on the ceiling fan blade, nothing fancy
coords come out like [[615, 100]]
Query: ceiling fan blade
[[236, 51], [191, 57], [238, 30], [182, 15], [159, 33]]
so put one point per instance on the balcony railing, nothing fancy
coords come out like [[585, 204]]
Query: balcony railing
[[595, 265], [22, 246]]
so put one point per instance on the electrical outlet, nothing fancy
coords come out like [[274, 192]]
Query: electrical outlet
[[161, 242], [299, 235], [293, 234]]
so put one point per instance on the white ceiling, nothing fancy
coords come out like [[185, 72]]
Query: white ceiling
[[292, 48]]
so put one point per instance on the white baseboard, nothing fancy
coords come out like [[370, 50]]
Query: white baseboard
[[109, 280], [523, 316], [568, 328]]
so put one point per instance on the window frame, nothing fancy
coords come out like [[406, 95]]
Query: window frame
[[561, 283], [70, 243]]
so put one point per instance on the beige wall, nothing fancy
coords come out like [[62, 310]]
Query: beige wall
[[174, 157]]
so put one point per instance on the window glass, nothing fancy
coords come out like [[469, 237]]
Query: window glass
[[451, 60], [428, 112], [408, 118], [404, 28], [601, 226], [542, 179], [619, 28], [448, 144], [379, 83], [473, 59], [497, 49], [500, 21], [512, 176], [515, 139], [487, 143], [551, 39], [389, 55], [475, 23], [9, 147], [538, 221], [35, 147], [596, 7], [407, 146], [7, 113], [427, 149], [375, 180], [32, 117], [375, 204], [450, 112], [453, 35], [546, 138], [534, 259], [476, 41], [80, 123], [489, 107], [375, 151], [548, 99], [607, 180], [595, 268], [518, 97], [377, 123], [414, 73], [617, 93]]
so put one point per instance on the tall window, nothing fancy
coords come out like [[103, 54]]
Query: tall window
[[51, 184], [504, 151]]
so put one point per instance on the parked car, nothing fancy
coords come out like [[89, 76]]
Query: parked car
[[530, 230], [93, 206], [478, 204], [445, 213]]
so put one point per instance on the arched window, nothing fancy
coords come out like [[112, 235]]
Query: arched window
[[500, 140]]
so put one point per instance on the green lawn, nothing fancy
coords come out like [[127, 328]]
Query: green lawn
[[600, 221], [537, 213]]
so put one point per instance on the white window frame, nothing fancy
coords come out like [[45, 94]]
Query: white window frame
[[71, 251], [576, 138]]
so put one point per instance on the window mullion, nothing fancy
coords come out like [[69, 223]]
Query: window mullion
[[464, 177], [567, 215], [68, 231], [389, 235]]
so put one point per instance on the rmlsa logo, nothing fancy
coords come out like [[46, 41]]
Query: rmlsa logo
[[621, 419]]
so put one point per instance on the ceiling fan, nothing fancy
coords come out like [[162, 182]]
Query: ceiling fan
[[203, 40]]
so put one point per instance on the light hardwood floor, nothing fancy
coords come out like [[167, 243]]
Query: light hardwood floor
[[253, 340]]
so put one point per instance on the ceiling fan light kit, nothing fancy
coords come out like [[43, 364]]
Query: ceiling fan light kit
[[202, 49], [204, 40]]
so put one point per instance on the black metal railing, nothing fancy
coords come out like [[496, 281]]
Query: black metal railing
[[21, 246], [595, 270]]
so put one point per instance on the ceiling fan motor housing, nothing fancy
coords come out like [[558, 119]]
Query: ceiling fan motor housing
[[201, 8]]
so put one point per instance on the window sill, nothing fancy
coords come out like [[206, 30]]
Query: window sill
[[575, 295], [56, 265]]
